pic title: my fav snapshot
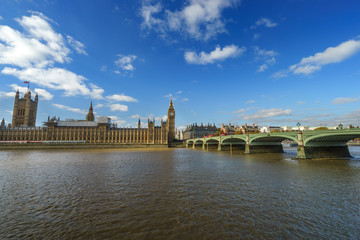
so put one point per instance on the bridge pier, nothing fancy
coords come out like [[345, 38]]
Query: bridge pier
[[307, 152], [264, 148]]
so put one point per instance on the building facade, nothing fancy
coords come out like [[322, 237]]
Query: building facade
[[195, 131], [24, 113], [90, 131]]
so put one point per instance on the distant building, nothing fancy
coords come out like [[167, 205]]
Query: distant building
[[287, 128], [179, 135], [249, 128], [229, 129], [24, 114], [269, 129], [195, 131]]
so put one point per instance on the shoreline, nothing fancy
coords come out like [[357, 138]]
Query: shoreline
[[80, 146]]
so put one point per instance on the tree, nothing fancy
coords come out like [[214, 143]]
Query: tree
[[321, 128]]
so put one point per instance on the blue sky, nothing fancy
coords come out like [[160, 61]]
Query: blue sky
[[267, 62]]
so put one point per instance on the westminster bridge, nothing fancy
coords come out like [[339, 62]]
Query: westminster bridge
[[310, 144]]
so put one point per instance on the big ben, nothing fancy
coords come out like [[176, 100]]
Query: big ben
[[171, 122]]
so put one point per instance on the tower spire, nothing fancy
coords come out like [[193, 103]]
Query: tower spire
[[90, 115]]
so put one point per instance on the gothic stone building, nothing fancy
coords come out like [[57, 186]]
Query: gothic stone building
[[24, 114], [88, 131]]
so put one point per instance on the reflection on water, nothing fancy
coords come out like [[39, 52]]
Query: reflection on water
[[177, 194]]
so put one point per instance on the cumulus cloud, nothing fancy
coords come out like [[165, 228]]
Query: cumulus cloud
[[121, 98], [198, 19], [125, 62], [311, 64], [33, 52], [43, 94], [267, 113], [219, 54], [40, 47], [342, 100], [55, 78], [266, 22], [71, 109], [118, 107]]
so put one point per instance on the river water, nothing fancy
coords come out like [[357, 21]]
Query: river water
[[177, 194]]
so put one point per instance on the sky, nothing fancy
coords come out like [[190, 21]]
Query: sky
[[221, 61]]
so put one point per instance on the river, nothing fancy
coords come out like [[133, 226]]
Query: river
[[177, 194]]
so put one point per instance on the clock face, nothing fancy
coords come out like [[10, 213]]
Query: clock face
[[172, 114]]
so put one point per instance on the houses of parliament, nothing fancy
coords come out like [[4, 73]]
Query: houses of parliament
[[101, 131]]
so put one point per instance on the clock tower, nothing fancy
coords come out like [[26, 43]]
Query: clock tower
[[171, 122]]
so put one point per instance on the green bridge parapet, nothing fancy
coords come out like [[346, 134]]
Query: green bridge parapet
[[311, 144]]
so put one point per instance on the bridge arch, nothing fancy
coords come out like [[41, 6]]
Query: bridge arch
[[212, 140], [233, 139], [330, 139], [271, 139]]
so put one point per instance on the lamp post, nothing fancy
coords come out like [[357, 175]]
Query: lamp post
[[340, 126], [298, 125]]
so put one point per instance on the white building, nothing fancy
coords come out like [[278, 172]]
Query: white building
[[269, 129]]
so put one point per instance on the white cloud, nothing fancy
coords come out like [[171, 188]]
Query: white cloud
[[280, 74], [7, 94], [264, 53], [1, 18], [185, 100], [230, 51], [267, 55], [336, 54], [76, 45], [40, 46], [264, 22], [250, 101], [256, 36], [178, 92], [267, 113], [342, 100], [121, 98], [43, 94], [147, 12], [135, 116], [118, 107], [103, 68], [300, 102], [33, 52], [170, 96], [98, 105], [118, 121], [262, 68], [181, 128], [199, 19], [71, 109], [239, 111], [164, 118], [56, 78], [126, 62], [96, 92]]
